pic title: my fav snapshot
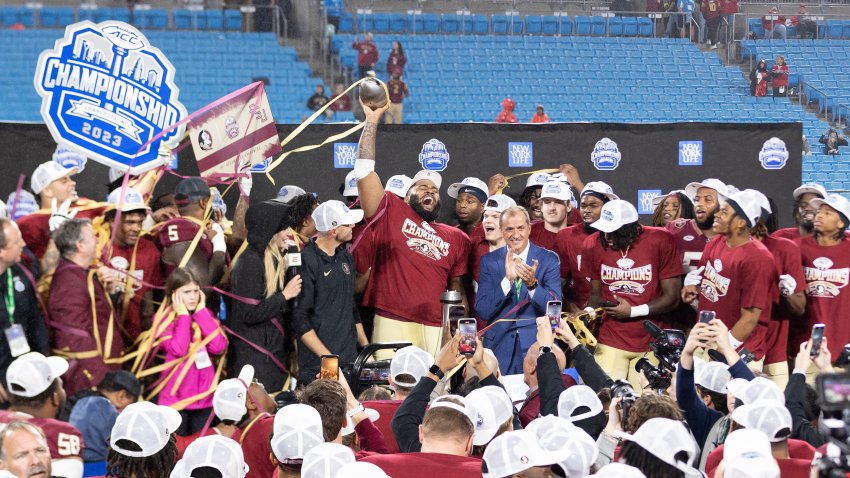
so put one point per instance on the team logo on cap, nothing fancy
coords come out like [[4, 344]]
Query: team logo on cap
[[107, 91], [553, 188], [773, 154], [690, 153], [822, 281], [344, 155], [395, 183], [434, 155], [645, 197], [606, 156], [520, 155]]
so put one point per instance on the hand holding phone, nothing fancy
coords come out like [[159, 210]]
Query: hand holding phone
[[553, 312], [330, 367], [817, 339], [707, 316], [468, 331]]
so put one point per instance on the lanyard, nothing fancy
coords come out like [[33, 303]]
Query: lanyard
[[10, 297]]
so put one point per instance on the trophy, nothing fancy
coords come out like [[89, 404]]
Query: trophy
[[373, 93]]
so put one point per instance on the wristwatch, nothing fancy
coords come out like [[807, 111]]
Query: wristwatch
[[436, 371], [545, 349], [532, 286]]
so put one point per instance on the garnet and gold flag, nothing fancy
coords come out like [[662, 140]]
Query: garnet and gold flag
[[235, 133]]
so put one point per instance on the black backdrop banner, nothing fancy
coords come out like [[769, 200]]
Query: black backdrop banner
[[637, 160]]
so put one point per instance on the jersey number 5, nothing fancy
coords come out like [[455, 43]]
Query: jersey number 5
[[69, 445], [172, 233]]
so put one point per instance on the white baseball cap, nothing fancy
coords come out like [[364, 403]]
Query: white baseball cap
[[600, 187], [813, 188], [350, 185], [25, 205], [516, 451], [288, 193], [474, 186], [747, 454], [618, 470], [746, 205], [764, 203], [326, 460], [466, 409], [755, 389], [332, 214], [837, 202], [767, 416], [410, 360], [665, 438], [710, 183], [33, 373], [213, 451], [432, 176], [615, 214], [148, 425], [231, 396], [537, 179], [493, 408], [576, 398], [70, 158], [557, 190], [297, 429], [132, 200], [398, 185], [349, 426], [499, 202], [556, 433], [711, 375], [48, 172], [361, 469]]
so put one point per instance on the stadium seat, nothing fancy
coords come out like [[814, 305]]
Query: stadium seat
[[835, 28], [346, 23], [53, 17], [630, 26], [549, 25], [398, 24], [365, 22], [156, 18], [499, 24], [233, 20], [754, 25], [432, 22], [582, 25], [566, 25], [533, 24], [416, 23], [450, 23], [598, 25], [480, 24], [380, 23], [615, 26]]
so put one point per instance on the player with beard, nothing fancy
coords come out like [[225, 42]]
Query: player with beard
[[470, 196], [570, 243], [556, 199], [635, 270], [826, 259], [416, 257], [692, 235], [492, 238], [804, 212], [737, 276]]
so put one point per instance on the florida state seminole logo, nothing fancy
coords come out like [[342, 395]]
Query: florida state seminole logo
[[823, 281], [423, 239], [625, 278], [714, 286]]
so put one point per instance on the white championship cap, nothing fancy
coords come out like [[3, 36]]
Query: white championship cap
[[747, 454], [556, 433], [350, 185], [332, 214], [297, 429], [493, 408], [289, 192], [499, 202], [432, 176], [214, 451], [326, 460], [711, 375], [412, 361], [131, 201], [361, 469], [578, 402], [767, 416], [513, 452], [600, 188], [710, 183], [474, 186], [615, 214], [755, 389], [398, 185], [665, 439], [231, 396], [618, 470], [746, 205], [837, 202], [147, 425], [813, 188], [538, 179], [32, 373], [557, 190], [48, 172]]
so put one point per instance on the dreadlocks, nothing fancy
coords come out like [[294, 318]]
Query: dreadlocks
[[158, 465], [622, 237]]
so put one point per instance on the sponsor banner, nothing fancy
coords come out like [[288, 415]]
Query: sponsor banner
[[690, 153], [108, 93], [344, 155], [520, 155], [644, 200]]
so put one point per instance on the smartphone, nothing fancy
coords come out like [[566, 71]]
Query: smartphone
[[468, 330], [456, 312], [817, 339], [607, 303], [553, 312], [707, 316], [330, 367]]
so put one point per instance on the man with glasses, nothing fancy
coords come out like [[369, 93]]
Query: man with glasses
[[326, 318]]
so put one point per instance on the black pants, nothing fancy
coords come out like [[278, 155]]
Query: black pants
[[776, 92], [193, 420]]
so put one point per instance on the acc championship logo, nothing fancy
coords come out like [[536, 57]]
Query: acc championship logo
[[605, 156], [434, 155], [344, 155], [773, 154], [645, 197], [106, 91], [520, 155], [690, 153]]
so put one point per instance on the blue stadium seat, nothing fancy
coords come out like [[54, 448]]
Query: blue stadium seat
[[450, 23], [630, 26], [432, 22], [835, 28], [597, 25], [365, 22], [398, 23], [582, 25], [645, 27], [346, 22], [104, 14], [215, 19], [549, 24], [566, 25], [381, 23], [52, 17], [533, 24], [416, 23], [499, 24], [233, 20], [754, 25], [615, 26], [156, 18], [477, 24]]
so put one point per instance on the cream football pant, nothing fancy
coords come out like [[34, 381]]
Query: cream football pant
[[620, 364], [426, 337]]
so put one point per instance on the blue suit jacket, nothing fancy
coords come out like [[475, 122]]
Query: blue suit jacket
[[510, 340]]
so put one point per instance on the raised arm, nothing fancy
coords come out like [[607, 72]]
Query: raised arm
[[369, 185]]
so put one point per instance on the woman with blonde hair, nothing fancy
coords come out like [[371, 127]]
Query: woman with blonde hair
[[261, 306]]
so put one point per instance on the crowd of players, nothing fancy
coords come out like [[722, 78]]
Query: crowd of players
[[154, 337]]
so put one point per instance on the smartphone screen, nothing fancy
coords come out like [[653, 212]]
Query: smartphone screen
[[817, 338], [330, 367], [834, 390], [707, 316], [468, 329], [553, 312]]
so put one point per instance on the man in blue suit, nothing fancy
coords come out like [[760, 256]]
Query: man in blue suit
[[515, 282]]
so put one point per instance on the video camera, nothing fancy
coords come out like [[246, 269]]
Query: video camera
[[363, 373], [623, 389], [834, 392], [667, 346]]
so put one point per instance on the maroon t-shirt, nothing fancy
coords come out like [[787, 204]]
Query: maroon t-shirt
[[367, 53], [426, 465], [786, 255], [256, 446], [146, 270], [180, 230], [792, 233], [691, 242], [570, 246], [387, 409], [541, 237], [739, 278], [479, 246], [397, 90], [827, 272], [636, 277], [63, 439], [414, 260]]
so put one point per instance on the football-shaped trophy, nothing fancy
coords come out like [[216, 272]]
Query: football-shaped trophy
[[373, 93]]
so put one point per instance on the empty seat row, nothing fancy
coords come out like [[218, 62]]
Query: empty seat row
[[154, 18]]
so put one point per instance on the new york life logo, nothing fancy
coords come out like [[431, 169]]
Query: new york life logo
[[690, 153], [106, 91], [645, 197], [520, 155], [344, 155]]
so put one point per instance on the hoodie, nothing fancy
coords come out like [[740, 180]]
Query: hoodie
[[507, 114], [255, 322]]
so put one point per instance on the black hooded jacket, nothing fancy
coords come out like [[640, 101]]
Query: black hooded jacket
[[255, 322]]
